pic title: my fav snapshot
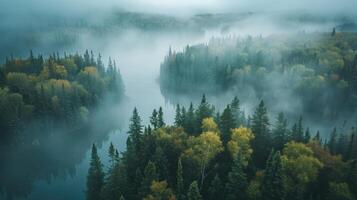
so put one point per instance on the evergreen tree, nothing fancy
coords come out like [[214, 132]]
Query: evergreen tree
[[161, 163], [203, 111], [307, 135], [332, 143], [189, 124], [237, 113], [215, 189], [178, 117], [194, 192], [135, 131], [150, 174], [352, 177], [112, 155], [280, 132], [262, 140], [160, 118], [226, 123], [95, 177], [237, 180], [273, 184], [154, 119], [300, 131], [180, 190]]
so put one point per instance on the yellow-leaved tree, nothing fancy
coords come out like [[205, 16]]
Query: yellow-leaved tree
[[240, 143]]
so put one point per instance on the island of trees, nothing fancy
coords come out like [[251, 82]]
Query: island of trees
[[39, 93], [316, 71], [214, 155]]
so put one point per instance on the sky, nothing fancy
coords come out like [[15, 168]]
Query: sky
[[19, 7]]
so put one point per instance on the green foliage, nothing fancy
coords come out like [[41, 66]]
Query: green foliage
[[273, 182], [57, 91], [339, 191], [194, 192], [95, 178], [237, 181]]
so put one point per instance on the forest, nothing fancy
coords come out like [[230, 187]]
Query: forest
[[38, 93], [208, 154], [315, 72]]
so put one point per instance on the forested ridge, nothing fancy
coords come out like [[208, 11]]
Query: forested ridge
[[211, 154], [58, 91], [315, 71]]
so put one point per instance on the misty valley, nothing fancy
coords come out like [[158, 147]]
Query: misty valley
[[178, 101]]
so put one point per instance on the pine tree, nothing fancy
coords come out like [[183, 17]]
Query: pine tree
[[352, 177], [273, 184], [226, 123], [154, 119], [179, 182], [332, 143], [161, 163], [95, 177], [135, 131], [307, 136], [189, 124], [262, 141], [300, 131], [194, 192], [237, 113], [150, 174], [216, 188], [178, 117], [280, 132], [204, 110], [112, 156], [237, 180], [160, 118]]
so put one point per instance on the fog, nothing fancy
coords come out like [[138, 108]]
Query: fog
[[139, 49]]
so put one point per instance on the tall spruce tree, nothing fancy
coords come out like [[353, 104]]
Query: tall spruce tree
[[237, 181], [280, 132], [203, 111], [194, 192], [154, 119], [160, 118], [150, 174], [95, 177], [273, 183], [178, 117], [332, 143], [226, 123], [262, 141], [180, 190], [215, 189]]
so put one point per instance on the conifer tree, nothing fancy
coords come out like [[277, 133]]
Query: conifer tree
[[95, 177], [194, 192], [161, 163], [160, 118], [150, 174], [216, 188], [226, 124], [237, 180], [154, 119], [178, 117], [203, 111], [189, 124], [237, 113], [179, 182], [273, 184], [332, 143], [262, 141], [280, 132]]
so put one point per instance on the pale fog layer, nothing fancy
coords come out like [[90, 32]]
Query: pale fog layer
[[139, 54]]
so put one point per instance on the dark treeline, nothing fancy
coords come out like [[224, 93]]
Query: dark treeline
[[54, 92], [224, 155], [315, 71]]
